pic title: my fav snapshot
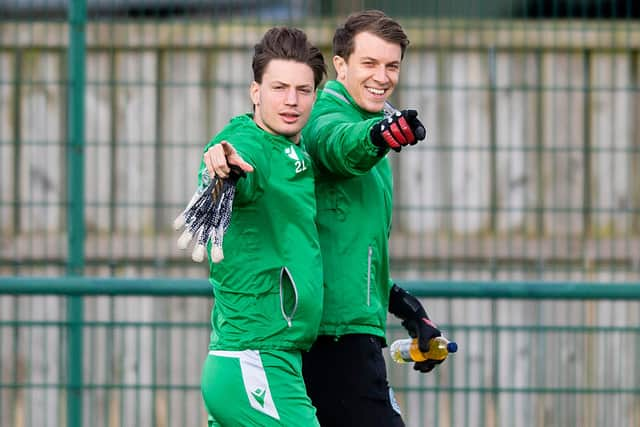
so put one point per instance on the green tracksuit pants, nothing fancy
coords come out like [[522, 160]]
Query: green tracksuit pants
[[256, 388]]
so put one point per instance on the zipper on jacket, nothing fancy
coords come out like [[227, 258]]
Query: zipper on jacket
[[369, 275], [288, 317]]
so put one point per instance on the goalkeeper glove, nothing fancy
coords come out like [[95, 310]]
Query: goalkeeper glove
[[397, 130], [415, 320], [208, 215]]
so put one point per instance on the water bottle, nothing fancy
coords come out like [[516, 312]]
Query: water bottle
[[406, 350]]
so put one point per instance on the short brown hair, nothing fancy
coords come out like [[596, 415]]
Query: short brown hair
[[372, 21], [291, 44]]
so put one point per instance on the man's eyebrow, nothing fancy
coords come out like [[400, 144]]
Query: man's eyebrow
[[372, 59], [280, 82]]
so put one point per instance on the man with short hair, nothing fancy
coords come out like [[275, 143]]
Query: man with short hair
[[348, 137], [268, 286]]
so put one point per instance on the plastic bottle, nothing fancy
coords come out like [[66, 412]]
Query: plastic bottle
[[406, 350]]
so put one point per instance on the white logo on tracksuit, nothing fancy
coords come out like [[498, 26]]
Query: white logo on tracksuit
[[255, 380], [300, 164]]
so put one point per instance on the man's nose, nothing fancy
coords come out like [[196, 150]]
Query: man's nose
[[381, 74], [291, 97]]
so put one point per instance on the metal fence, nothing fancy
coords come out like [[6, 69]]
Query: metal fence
[[531, 354], [530, 177]]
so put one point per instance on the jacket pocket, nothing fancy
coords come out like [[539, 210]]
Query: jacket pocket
[[328, 200], [331, 200], [288, 296]]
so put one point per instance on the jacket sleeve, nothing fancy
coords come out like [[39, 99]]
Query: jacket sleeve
[[341, 147], [251, 187]]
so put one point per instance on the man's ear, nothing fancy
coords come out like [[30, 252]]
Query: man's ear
[[341, 67], [254, 92]]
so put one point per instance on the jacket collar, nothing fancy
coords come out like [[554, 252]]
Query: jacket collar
[[247, 122], [337, 90]]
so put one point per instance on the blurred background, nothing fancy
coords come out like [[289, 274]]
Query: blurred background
[[517, 221]]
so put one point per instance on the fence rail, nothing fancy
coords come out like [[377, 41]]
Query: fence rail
[[163, 286]]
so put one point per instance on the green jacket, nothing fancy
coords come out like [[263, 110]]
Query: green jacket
[[354, 196], [268, 289]]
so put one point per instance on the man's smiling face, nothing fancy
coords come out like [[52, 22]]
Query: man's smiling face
[[371, 72]]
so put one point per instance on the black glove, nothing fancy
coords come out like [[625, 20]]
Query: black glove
[[415, 320], [398, 129]]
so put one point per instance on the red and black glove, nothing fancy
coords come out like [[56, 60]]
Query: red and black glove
[[415, 320], [397, 130]]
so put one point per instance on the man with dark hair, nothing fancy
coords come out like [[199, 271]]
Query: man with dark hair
[[348, 137], [268, 286]]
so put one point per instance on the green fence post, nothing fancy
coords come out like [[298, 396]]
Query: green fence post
[[75, 215]]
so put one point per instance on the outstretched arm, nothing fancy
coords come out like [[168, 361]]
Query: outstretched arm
[[341, 147], [350, 148]]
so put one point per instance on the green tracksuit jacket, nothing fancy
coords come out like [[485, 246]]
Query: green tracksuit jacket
[[268, 289], [354, 196]]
